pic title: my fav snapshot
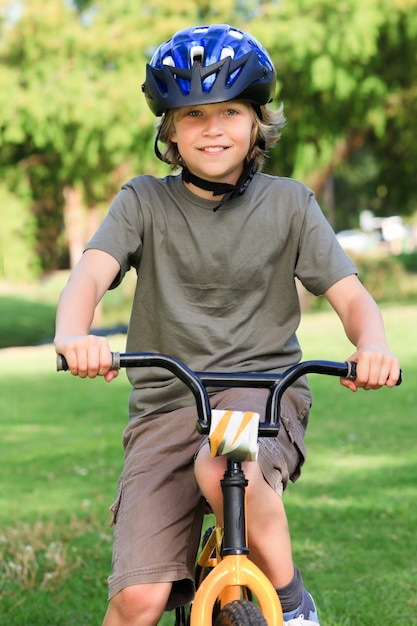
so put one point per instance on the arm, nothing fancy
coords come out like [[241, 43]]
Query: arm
[[364, 327], [87, 355]]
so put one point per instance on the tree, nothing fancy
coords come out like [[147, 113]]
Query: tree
[[349, 81], [74, 123], [70, 118]]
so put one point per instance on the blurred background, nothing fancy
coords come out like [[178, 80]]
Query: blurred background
[[74, 125]]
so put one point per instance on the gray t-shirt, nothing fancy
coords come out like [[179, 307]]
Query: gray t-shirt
[[216, 289]]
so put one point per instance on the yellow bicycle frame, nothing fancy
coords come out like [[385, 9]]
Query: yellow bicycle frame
[[228, 580]]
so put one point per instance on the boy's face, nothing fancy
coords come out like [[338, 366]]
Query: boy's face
[[214, 140]]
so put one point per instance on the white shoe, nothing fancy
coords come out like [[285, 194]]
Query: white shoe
[[308, 608], [300, 621]]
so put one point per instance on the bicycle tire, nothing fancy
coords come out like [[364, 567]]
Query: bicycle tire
[[240, 613]]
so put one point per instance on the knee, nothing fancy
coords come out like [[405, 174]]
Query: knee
[[209, 471], [140, 604]]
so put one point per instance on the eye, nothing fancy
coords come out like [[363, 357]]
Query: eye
[[194, 113], [231, 112]]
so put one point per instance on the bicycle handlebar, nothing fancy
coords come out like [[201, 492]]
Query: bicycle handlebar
[[197, 382]]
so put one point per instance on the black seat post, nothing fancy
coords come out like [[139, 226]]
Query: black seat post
[[233, 487]]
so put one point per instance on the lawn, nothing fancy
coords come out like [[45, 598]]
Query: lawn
[[352, 516]]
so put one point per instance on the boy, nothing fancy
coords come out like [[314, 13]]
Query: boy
[[216, 250]]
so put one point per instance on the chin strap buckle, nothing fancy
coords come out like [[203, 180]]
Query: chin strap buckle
[[223, 189]]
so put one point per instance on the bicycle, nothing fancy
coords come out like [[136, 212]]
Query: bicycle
[[230, 589]]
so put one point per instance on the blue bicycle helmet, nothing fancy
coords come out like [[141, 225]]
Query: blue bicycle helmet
[[208, 64]]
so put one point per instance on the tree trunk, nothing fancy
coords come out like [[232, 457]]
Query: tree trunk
[[74, 220], [79, 227], [328, 200], [341, 152]]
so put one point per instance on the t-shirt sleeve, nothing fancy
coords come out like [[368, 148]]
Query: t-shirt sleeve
[[120, 234], [321, 261]]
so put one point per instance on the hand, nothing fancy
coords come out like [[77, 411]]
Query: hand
[[375, 367], [87, 355]]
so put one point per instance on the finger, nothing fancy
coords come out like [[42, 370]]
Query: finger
[[75, 357], [349, 384], [111, 375], [363, 368], [385, 372], [394, 374], [105, 359], [94, 351], [86, 361]]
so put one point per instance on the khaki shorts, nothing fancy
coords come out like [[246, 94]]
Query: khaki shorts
[[159, 509]]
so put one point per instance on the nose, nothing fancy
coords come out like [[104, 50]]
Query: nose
[[213, 125]]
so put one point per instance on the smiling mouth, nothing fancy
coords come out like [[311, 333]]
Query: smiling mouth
[[214, 149]]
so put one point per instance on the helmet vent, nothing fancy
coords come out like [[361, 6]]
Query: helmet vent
[[196, 55], [227, 52], [168, 61]]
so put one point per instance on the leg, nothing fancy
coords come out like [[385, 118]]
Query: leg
[[157, 520], [138, 605], [279, 460], [268, 535]]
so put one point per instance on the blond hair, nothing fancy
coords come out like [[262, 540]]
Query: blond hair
[[266, 131]]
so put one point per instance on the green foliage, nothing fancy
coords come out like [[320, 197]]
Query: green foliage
[[17, 239], [73, 114], [387, 277], [348, 80], [409, 261], [24, 322], [27, 315], [381, 275]]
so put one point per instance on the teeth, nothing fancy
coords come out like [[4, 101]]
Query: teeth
[[213, 149]]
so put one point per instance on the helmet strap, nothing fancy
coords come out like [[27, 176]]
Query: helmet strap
[[226, 190], [156, 147]]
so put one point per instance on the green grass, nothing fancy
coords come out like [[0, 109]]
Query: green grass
[[61, 457], [352, 515]]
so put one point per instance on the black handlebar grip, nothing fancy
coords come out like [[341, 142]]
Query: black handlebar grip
[[62, 365], [351, 373]]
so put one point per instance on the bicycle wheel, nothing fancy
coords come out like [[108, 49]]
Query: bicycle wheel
[[240, 613]]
